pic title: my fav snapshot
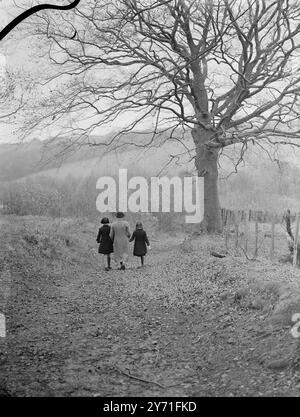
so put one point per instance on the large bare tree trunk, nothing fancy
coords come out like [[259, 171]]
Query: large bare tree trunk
[[206, 162]]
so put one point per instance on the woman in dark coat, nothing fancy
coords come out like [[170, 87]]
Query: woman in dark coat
[[140, 242], [120, 235], [105, 242]]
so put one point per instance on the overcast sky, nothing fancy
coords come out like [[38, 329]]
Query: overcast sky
[[13, 53], [10, 54]]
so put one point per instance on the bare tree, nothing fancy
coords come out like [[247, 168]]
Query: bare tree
[[224, 70], [11, 100]]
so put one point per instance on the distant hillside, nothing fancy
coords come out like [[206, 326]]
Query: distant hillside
[[259, 183], [20, 160], [61, 158]]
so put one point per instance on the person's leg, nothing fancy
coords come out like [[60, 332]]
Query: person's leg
[[108, 261], [107, 268], [142, 260], [122, 264], [124, 259]]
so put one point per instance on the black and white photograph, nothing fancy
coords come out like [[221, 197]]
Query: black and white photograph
[[149, 201]]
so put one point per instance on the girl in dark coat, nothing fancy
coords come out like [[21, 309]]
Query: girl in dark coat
[[105, 242], [140, 242]]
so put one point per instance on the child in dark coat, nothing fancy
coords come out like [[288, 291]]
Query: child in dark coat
[[140, 242], [105, 242]]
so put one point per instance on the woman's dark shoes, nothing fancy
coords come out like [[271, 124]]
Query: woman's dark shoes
[[107, 268], [123, 267]]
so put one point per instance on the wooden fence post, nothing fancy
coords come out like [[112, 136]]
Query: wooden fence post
[[246, 229], [223, 214], [227, 228], [272, 236], [296, 241], [236, 227], [256, 235]]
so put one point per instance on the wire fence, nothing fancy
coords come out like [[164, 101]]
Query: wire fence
[[262, 233]]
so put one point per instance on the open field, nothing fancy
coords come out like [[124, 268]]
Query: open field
[[188, 324]]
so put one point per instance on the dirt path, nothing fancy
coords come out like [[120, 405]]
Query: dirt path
[[168, 330]]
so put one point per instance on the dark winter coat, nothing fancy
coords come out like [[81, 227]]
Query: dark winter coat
[[120, 235], [106, 244], [140, 241]]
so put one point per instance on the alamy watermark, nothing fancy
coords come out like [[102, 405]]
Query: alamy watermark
[[159, 194]]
